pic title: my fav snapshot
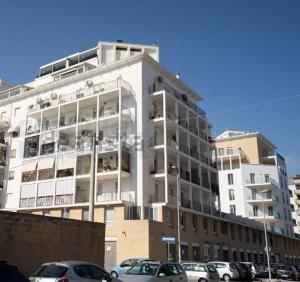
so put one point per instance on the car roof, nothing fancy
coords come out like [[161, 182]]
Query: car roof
[[194, 262], [69, 263]]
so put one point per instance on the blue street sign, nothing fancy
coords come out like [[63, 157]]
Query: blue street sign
[[168, 239]]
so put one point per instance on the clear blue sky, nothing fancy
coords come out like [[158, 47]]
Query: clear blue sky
[[234, 53]]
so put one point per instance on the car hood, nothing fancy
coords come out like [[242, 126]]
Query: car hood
[[137, 278]]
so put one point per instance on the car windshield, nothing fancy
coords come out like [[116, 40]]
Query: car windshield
[[143, 269], [51, 270]]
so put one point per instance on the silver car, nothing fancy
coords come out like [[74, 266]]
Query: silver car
[[67, 271], [120, 269], [227, 271], [255, 272], [155, 271], [200, 272]]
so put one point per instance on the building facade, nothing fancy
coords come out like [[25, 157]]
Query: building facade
[[253, 180], [154, 172], [294, 186]]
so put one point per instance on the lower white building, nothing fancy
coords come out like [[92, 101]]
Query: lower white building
[[294, 187]]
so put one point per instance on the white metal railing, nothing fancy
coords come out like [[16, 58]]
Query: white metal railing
[[80, 93], [64, 199], [128, 196], [27, 202], [261, 180], [44, 201]]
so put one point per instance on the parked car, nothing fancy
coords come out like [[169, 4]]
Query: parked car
[[150, 271], [296, 274], [273, 269], [263, 269], [284, 272], [241, 271], [247, 275], [10, 273], [120, 269], [255, 272], [66, 271], [226, 270], [200, 272]]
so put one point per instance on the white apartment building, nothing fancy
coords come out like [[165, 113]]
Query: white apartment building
[[253, 180], [152, 138], [294, 187]]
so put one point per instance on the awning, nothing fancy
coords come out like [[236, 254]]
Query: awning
[[29, 166], [28, 191], [66, 160], [46, 162], [14, 129], [46, 189], [65, 187]]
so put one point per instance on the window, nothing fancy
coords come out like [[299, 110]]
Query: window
[[183, 220], [230, 179], [66, 213], [11, 175], [17, 111], [170, 220], [215, 227], [229, 151], [255, 210], [231, 195], [195, 222], [205, 225], [51, 270], [270, 210], [247, 234], [224, 228], [267, 178], [46, 212], [252, 178], [232, 209], [240, 233], [221, 151], [109, 214], [13, 153], [232, 230], [85, 214]]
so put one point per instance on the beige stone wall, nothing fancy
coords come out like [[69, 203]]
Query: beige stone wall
[[29, 240], [248, 144]]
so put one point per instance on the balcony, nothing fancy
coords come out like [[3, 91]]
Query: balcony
[[171, 116], [271, 216], [65, 199], [48, 148], [185, 175], [184, 148], [195, 179], [259, 199], [261, 183], [70, 120], [194, 153], [155, 115], [186, 203], [44, 201], [277, 229], [128, 196], [27, 202], [193, 129], [180, 97], [172, 142], [183, 123]]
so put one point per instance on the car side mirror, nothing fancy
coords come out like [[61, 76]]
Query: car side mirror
[[161, 274]]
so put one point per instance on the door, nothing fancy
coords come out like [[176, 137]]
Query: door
[[110, 256]]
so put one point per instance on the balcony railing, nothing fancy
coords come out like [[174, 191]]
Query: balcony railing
[[27, 202], [44, 201], [171, 115], [128, 196], [193, 129], [194, 153], [64, 199], [183, 123], [181, 97], [259, 197], [171, 142], [262, 181]]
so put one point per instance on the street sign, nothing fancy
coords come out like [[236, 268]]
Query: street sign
[[168, 239]]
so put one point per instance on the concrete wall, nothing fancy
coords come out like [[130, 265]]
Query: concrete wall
[[30, 240]]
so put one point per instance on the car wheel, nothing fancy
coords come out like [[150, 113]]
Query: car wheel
[[252, 276], [226, 277], [202, 280], [114, 274]]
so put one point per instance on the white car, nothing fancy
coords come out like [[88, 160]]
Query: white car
[[200, 272], [67, 271], [226, 270]]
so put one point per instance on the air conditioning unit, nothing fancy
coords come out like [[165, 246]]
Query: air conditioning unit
[[89, 83], [53, 96]]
